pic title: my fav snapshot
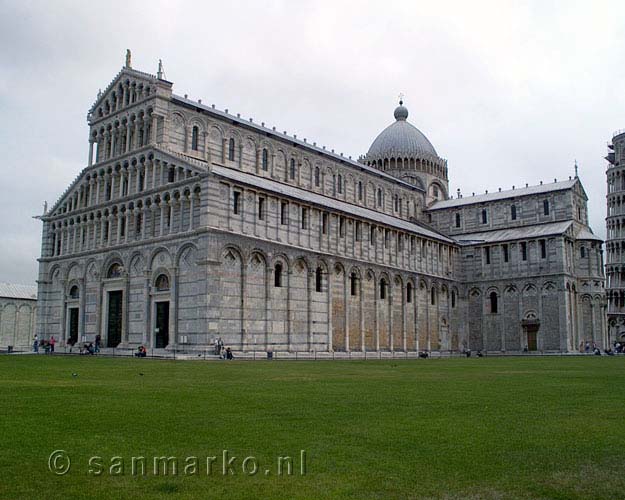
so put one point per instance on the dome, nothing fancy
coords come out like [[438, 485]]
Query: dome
[[400, 140]]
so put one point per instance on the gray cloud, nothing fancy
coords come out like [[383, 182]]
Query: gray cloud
[[508, 93]]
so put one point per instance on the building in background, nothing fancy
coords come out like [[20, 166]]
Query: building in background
[[189, 223], [18, 306], [615, 243]]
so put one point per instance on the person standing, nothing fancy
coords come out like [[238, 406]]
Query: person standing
[[98, 341], [36, 344], [52, 342]]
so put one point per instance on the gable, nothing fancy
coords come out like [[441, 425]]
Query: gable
[[128, 86]]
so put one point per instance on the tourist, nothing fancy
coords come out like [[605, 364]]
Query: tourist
[[587, 347], [141, 352], [229, 353], [98, 342], [217, 346], [52, 342], [90, 349], [36, 344], [479, 353]]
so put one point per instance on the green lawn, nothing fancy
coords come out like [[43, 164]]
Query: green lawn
[[460, 428]]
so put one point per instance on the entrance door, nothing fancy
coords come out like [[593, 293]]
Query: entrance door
[[532, 344], [114, 327], [73, 325], [162, 325]]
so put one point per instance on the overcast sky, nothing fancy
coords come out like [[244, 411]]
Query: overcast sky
[[507, 92]]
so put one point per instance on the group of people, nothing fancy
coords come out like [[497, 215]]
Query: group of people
[[46, 345], [223, 353], [142, 352]]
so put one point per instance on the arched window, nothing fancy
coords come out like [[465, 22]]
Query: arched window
[[231, 149], [458, 220], [265, 159], [317, 177], [292, 169], [277, 275], [435, 191], [162, 283], [513, 212], [74, 293], [194, 138], [433, 296], [379, 197], [582, 252], [409, 293], [360, 190], [493, 302], [115, 271], [396, 203], [340, 184], [318, 279], [453, 299], [382, 289], [353, 281]]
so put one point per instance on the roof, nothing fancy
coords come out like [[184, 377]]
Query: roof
[[518, 233], [587, 234], [13, 291], [400, 139], [292, 139], [502, 195], [320, 200]]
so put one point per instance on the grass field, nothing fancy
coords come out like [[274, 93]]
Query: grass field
[[459, 428]]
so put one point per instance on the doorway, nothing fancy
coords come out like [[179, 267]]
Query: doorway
[[73, 325], [114, 327], [532, 341], [161, 331]]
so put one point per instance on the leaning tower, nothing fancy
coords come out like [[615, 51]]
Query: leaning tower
[[615, 239]]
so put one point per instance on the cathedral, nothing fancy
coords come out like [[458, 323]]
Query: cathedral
[[189, 223]]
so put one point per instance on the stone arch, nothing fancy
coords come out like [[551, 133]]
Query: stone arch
[[114, 257], [163, 256]]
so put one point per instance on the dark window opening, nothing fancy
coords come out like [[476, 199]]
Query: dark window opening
[[457, 220], [506, 255], [513, 212], [236, 202], [277, 275], [265, 159], [543, 249], [318, 279], [487, 254], [433, 296], [261, 208], [582, 252], [382, 289], [324, 223], [341, 227], [292, 169], [523, 250], [283, 213], [171, 173], [353, 284], [194, 138], [484, 217], [546, 207], [231, 149], [317, 177], [493, 303], [304, 218], [409, 293]]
